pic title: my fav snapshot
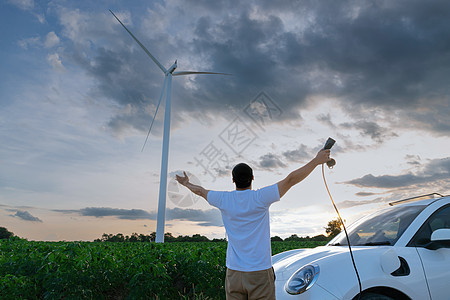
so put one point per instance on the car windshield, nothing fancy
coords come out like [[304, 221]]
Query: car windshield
[[380, 229]]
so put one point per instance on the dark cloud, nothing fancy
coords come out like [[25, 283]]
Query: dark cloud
[[366, 127], [26, 216], [435, 171], [440, 168], [209, 217], [300, 154], [413, 160], [370, 129], [386, 181], [326, 119], [350, 203], [390, 55], [99, 212], [432, 117], [270, 161], [364, 194], [127, 214], [222, 172]]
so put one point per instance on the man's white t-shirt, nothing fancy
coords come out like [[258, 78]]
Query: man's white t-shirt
[[245, 215]]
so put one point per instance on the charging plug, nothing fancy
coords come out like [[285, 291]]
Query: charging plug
[[330, 142]]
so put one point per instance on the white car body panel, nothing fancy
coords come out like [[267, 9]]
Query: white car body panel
[[437, 269], [429, 269], [338, 279]]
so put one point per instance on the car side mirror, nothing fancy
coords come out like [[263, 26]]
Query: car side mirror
[[440, 238], [440, 235]]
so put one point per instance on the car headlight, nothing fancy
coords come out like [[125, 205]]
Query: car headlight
[[302, 280]]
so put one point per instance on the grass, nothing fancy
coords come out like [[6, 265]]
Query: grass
[[102, 270]]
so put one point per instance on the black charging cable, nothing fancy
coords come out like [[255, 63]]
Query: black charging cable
[[346, 234]]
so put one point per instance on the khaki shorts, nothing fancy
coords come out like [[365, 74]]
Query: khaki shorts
[[250, 285]]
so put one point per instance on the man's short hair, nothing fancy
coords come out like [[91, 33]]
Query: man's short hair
[[242, 175]]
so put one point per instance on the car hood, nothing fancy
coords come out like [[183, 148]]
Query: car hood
[[286, 263]]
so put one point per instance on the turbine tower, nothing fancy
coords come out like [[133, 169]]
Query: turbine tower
[[167, 87]]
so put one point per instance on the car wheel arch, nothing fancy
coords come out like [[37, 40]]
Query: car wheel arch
[[382, 290]]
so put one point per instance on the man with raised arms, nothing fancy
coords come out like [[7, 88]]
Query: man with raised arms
[[245, 215]]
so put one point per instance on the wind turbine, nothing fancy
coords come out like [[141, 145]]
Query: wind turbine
[[167, 87]]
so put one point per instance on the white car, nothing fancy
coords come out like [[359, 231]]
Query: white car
[[401, 252]]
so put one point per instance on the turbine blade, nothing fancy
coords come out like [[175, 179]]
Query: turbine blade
[[140, 44], [194, 72], [154, 117]]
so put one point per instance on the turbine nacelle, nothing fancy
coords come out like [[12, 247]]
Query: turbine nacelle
[[172, 68]]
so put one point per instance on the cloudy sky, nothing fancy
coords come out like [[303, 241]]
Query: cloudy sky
[[77, 96]]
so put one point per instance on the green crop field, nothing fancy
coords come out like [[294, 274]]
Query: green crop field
[[103, 270]]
